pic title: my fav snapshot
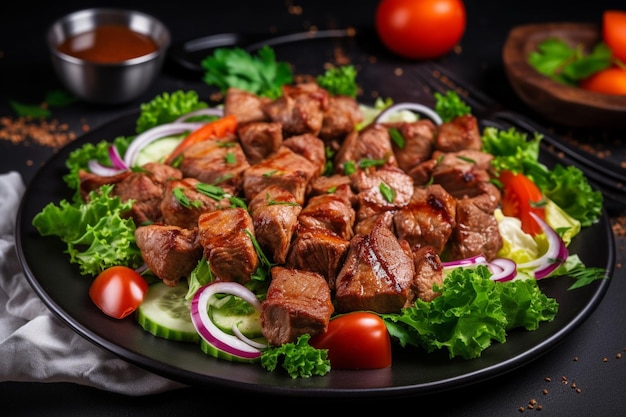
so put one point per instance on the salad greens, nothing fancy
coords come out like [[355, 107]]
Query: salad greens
[[471, 312], [569, 65]]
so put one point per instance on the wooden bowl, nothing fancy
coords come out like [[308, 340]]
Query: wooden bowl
[[556, 102]]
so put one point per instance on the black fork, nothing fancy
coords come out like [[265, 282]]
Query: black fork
[[605, 176]]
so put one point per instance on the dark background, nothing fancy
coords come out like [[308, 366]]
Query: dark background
[[25, 76]]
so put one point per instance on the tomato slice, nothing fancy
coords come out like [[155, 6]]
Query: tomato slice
[[118, 291], [357, 340], [520, 197]]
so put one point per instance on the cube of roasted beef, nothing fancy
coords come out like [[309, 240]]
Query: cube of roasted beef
[[274, 213], [318, 250], [298, 302], [285, 169], [371, 143], [217, 161], [309, 146], [225, 237], [428, 219], [247, 107], [461, 132], [260, 139], [170, 252], [377, 274], [183, 203], [461, 173], [428, 271], [418, 143], [340, 118], [300, 109], [476, 230]]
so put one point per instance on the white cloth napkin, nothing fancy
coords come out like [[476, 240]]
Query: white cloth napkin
[[37, 346]]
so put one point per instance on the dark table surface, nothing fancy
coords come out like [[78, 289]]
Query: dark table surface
[[588, 358]]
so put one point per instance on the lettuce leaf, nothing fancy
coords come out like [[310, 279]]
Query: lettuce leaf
[[472, 312], [97, 234]]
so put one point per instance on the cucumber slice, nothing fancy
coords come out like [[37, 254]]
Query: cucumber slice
[[211, 350], [166, 313], [228, 312]]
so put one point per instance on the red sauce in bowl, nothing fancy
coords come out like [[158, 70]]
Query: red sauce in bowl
[[108, 44]]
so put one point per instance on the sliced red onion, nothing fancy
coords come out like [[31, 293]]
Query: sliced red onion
[[212, 111], [503, 269], [150, 135], [472, 260], [384, 115], [556, 254], [99, 169], [116, 159], [225, 342]]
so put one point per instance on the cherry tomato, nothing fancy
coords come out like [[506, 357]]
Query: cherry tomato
[[520, 197], [614, 32], [420, 29], [357, 340], [118, 291], [609, 81]]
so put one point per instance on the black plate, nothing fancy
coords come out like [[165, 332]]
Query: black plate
[[65, 292]]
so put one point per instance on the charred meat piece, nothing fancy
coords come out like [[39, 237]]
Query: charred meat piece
[[384, 189], [476, 230], [170, 252], [340, 118], [91, 182], [183, 203], [274, 213], [309, 146], [462, 173], [260, 139], [227, 245], [428, 219], [146, 188], [428, 271], [372, 143], [365, 225], [247, 107], [460, 133], [284, 168], [300, 109], [329, 211], [297, 302], [418, 145], [318, 250], [377, 274], [335, 184], [219, 161]]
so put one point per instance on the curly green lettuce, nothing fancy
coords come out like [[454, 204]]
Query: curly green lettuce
[[471, 313], [299, 359], [96, 233], [166, 108]]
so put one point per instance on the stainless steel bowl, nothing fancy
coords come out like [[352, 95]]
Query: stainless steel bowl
[[107, 82]]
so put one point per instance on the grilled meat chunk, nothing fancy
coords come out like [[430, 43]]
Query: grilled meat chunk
[[318, 250], [428, 271], [227, 246], [284, 168], [462, 173], [297, 302], [340, 118], [146, 188], [476, 230], [377, 274], [419, 143], [247, 107], [330, 211], [428, 219], [373, 143], [260, 139], [183, 203], [274, 214], [170, 252], [460, 133], [300, 109], [219, 161], [309, 146]]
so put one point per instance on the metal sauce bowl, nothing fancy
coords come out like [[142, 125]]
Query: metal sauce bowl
[[102, 82]]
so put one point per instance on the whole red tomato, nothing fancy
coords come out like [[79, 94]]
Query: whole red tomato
[[420, 29], [608, 81], [118, 291], [357, 340]]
